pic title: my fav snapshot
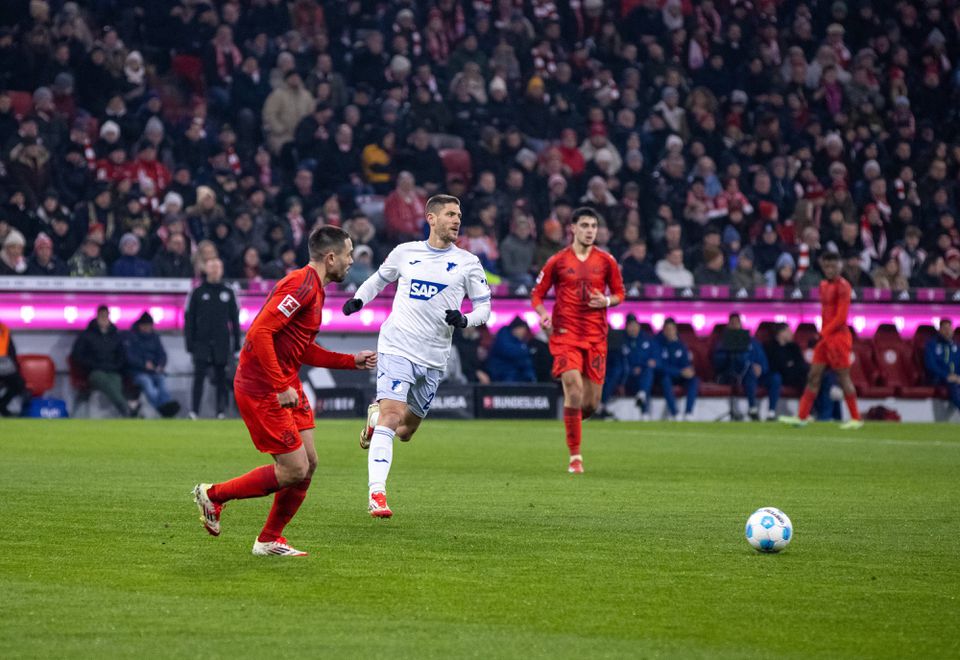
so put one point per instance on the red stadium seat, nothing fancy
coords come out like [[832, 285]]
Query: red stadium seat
[[38, 372], [457, 162], [887, 335], [863, 373], [923, 334], [897, 369], [687, 334], [764, 331], [22, 103], [714, 339], [805, 333]]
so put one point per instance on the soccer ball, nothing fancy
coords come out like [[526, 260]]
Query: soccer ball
[[769, 530]]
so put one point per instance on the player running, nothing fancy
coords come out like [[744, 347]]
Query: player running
[[578, 328], [434, 277], [834, 347], [270, 396]]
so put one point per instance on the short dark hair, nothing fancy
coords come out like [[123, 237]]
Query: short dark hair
[[668, 321], [326, 239], [437, 202], [830, 256], [585, 212]]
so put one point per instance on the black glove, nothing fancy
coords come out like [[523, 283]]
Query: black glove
[[351, 306], [456, 319]]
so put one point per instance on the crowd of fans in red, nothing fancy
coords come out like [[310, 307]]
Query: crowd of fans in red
[[724, 141]]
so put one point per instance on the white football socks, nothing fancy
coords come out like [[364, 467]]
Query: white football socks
[[380, 457]]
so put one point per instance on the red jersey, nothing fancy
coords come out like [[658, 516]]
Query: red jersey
[[281, 337], [574, 322], [835, 304]]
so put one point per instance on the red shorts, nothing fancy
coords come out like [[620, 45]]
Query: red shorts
[[274, 430], [835, 353], [591, 362]]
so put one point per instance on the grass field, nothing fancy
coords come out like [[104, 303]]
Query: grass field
[[493, 551]]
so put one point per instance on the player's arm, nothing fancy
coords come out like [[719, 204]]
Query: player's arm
[[545, 280], [479, 293], [389, 271], [318, 356], [614, 283]]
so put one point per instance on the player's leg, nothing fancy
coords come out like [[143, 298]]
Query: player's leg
[[572, 382], [850, 396], [408, 426], [594, 373], [813, 388], [287, 501]]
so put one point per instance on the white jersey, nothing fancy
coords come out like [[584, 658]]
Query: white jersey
[[431, 281]]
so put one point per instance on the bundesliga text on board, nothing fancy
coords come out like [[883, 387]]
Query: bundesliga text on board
[[516, 402]]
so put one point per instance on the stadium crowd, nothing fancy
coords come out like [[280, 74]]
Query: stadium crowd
[[724, 141]]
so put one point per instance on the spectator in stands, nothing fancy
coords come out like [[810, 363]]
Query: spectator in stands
[[422, 158], [744, 276], [675, 367], [853, 270], [403, 211], [550, 242], [12, 261], [130, 264], [888, 275], [941, 357], [517, 252], [712, 271], [951, 269], [43, 262], [146, 362], [509, 360], [11, 382], [362, 267], [98, 355], [212, 333], [672, 272], [87, 262], [173, 260], [637, 269], [284, 108]]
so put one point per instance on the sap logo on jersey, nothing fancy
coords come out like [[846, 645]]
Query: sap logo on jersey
[[422, 290]]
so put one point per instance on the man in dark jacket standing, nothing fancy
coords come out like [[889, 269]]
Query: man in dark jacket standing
[[99, 353], [213, 334], [146, 360]]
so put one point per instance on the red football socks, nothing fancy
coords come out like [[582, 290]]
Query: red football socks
[[851, 400], [286, 503], [572, 421], [255, 483], [806, 402]]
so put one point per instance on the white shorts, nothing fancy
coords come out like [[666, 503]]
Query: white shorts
[[399, 379]]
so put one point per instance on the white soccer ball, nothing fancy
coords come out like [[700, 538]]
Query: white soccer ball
[[769, 530]]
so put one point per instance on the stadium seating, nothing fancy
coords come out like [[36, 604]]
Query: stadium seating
[[457, 163], [38, 372]]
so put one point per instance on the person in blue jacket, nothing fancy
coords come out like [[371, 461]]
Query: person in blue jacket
[[941, 356], [675, 366], [641, 364], [509, 360], [751, 369], [146, 361]]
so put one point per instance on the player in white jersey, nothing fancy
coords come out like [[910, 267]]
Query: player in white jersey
[[434, 278]]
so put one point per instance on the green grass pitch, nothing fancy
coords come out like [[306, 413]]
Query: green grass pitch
[[493, 551]]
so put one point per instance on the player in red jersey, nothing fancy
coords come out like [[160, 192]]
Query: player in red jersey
[[835, 345], [270, 396], [581, 276]]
